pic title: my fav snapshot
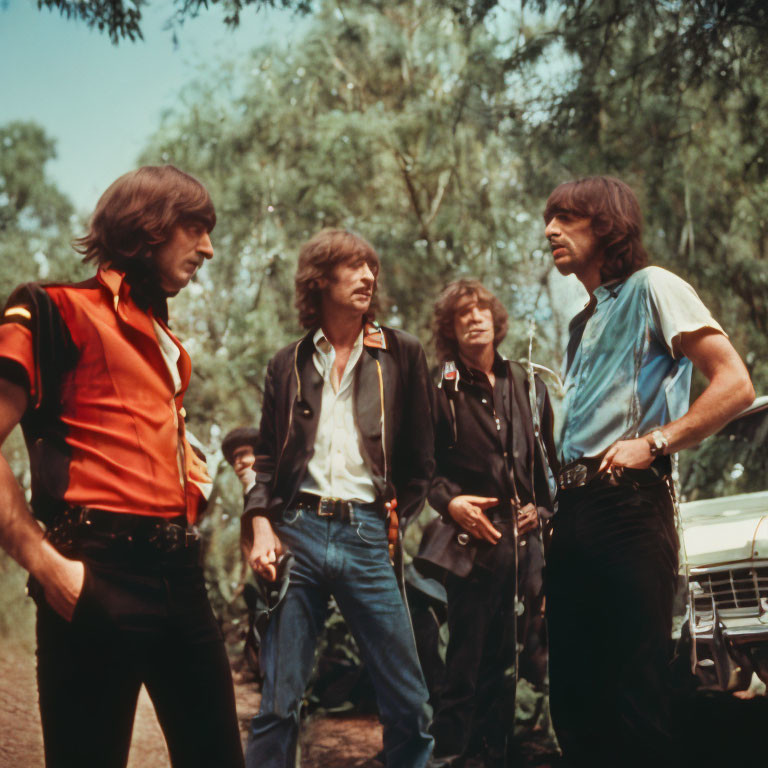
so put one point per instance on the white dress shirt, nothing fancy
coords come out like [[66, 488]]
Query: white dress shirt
[[337, 468]]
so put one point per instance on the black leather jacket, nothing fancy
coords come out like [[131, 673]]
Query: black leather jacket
[[470, 458], [393, 398]]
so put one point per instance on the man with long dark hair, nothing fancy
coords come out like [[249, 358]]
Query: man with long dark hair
[[344, 458], [612, 564], [96, 378]]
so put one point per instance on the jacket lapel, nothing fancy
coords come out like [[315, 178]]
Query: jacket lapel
[[309, 397], [367, 400]]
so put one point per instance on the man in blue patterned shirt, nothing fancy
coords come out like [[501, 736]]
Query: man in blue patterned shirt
[[612, 565]]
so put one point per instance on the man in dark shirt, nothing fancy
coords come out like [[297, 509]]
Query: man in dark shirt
[[492, 472]]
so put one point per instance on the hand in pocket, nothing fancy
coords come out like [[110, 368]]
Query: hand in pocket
[[62, 583]]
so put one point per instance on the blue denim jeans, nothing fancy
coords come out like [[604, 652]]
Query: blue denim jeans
[[350, 561]]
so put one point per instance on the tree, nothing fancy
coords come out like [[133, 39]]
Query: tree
[[381, 119], [35, 230], [35, 216], [684, 127], [122, 19]]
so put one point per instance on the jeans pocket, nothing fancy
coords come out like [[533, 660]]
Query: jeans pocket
[[374, 533], [290, 517]]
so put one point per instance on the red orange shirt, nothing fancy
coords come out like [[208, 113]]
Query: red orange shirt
[[120, 415]]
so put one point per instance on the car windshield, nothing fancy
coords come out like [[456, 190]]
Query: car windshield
[[735, 460]]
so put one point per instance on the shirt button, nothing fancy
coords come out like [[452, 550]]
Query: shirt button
[[183, 412], [485, 402]]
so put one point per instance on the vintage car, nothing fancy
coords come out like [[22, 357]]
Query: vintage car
[[724, 552]]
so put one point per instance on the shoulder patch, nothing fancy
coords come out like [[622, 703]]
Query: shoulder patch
[[18, 311]]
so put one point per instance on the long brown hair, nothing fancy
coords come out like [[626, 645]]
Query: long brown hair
[[139, 211], [446, 346], [615, 219], [317, 259]]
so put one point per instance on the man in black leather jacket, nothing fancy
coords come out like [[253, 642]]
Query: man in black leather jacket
[[344, 459], [491, 468]]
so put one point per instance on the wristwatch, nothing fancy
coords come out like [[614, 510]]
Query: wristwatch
[[658, 443]]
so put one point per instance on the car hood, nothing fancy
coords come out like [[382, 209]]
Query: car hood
[[725, 530]]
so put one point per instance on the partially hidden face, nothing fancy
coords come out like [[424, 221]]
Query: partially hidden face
[[472, 323], [351, 285], [179, 257], [242, 458]]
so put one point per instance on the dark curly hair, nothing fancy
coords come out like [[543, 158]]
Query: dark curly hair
[[616, 220], [317, 259], [446, 346]]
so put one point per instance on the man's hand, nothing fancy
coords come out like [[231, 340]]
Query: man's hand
[[20, 535], [527, 519], [467, 511], [634, 454], [265, 550], [62, 583]]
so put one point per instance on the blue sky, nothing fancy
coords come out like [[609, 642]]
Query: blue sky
[[100, 102]]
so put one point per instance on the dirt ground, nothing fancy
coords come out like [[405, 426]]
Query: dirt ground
[[327, 742]]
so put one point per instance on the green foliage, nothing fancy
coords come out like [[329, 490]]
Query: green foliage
[[122, 19], [671, 97], [438, 137], [35, 217], [436, 129], [382, 120], [35, 230]]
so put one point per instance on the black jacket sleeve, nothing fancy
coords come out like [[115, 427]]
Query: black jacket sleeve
[[442, 489], [257, 500], [414, 462]]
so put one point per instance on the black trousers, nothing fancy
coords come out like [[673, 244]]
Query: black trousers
[[477, 704], [611, 576], [142, 618]]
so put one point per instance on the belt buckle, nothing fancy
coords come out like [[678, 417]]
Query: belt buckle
[[326, 507], [574, 476], [175, 537], [167, 537]]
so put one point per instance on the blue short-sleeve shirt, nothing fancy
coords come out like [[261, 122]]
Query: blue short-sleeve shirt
[[627, 376]]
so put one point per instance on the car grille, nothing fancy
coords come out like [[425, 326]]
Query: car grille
[[739, 589]]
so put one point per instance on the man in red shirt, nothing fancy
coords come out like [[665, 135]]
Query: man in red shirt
[[96, 379]]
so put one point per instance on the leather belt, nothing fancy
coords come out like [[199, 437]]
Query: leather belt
[[79, 523], [581, 472], [330, 506], [577, 473]]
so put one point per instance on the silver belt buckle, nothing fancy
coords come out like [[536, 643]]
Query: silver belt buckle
[[574, 476], [326, 507]]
